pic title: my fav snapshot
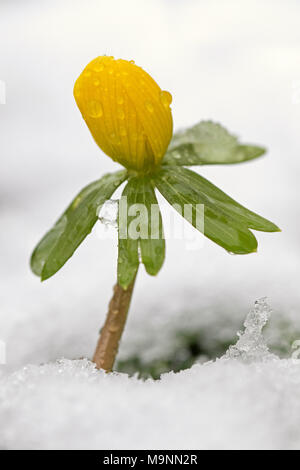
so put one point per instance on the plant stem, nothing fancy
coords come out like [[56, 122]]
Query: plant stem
[[108, 343]]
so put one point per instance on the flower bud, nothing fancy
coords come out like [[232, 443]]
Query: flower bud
[[127, 113]]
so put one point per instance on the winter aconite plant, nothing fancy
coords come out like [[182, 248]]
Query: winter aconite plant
[[130, 118]]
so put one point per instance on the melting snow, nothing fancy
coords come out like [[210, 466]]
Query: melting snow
[[251, 344]]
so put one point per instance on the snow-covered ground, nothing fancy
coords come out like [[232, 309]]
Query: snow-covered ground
[[234, 62], [248, 399]]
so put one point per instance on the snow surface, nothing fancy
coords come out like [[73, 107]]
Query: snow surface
[[223, 61], [246, 400]]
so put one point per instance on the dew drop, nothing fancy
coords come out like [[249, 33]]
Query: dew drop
[[87, 73], [95, 109], [131, 62], [165, 98], [110, 71], [98, 68], [108, 214], [121, 114], [120, 100], [96, 82], [149, 106], [114, 139]]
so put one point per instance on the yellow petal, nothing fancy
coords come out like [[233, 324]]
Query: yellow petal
[[127, 113]]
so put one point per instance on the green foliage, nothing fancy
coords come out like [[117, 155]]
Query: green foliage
[[128, 254], [208, 143], [59, 244], [226, 222], [139, 231]]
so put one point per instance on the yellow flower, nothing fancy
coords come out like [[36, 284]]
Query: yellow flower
[[127, 113]]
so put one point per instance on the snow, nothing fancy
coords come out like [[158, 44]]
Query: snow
[[224, 63], [248, 399]]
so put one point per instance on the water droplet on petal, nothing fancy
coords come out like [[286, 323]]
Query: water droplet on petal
[[166, 98], [96, 82], [131, 62], [120, 100], [98, 68], [121, 114], [95, 109], [114, 139], [149, 106]]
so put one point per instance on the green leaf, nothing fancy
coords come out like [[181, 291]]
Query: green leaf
[[59, 244], [225, 203], [128, 255], [226, 222], [140, 227], [208, 143], [153, 244]]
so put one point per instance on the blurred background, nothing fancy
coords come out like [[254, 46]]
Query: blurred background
[[235, 62]]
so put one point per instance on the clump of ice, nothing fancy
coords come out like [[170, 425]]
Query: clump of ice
[[108, 213], [251, 345]]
